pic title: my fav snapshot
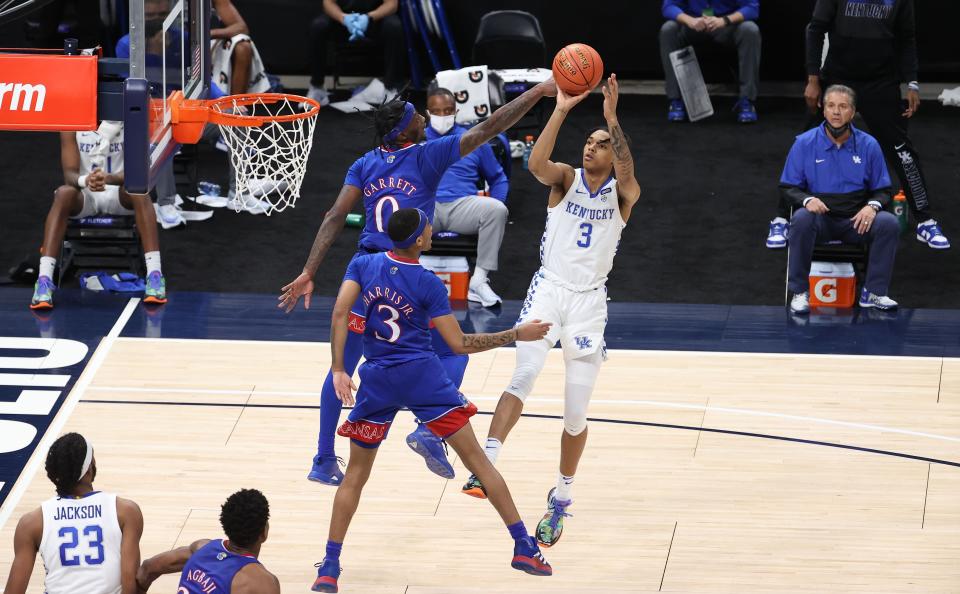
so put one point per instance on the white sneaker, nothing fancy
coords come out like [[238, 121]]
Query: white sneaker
[[319, 95], [868, 299], [375, 92], [800, 304], [247, 203], [169, 216], [483, 294]]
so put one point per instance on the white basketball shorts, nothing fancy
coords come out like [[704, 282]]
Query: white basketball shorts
[[579, 317]]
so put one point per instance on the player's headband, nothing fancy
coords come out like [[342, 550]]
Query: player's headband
[[87, 458], [408, 113], [412, 239]]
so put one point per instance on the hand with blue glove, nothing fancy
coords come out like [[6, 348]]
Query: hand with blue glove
[[356, 24]]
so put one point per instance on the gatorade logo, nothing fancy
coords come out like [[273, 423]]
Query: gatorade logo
[[25, 97], [826, 290]]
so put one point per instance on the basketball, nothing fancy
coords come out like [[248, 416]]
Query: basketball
[[577, 68]]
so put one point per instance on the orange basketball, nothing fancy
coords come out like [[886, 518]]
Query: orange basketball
[[577, 68]]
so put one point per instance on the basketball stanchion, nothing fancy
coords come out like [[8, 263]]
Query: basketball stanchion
[[269, 136]]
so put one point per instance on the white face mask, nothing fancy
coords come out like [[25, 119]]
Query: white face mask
[[442, 124]]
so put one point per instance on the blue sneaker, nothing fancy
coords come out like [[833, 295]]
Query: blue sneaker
[[882, 302], [528, 558], [746, 112], [929, 233], [677, 111], [43, 293], [156, 291], [778, 233], [433, 449], [327, 575], [551, 526], [326, 471]]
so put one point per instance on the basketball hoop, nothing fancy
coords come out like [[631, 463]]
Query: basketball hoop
[[269, 136]]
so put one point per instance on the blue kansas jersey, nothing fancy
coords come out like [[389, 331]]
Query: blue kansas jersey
[[403, 178], [211, 569], [400, 298]]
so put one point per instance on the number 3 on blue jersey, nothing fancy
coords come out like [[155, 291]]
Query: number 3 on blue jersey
[[585, 230], [383, 217], [391, 323]]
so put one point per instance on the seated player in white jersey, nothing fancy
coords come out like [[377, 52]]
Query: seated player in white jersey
[[92, 163], [89, 540], [221, 566], [586, 212]]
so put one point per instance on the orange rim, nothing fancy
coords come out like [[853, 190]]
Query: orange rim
[[218, 116]]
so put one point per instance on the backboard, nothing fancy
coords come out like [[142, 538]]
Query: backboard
[[169, 45]]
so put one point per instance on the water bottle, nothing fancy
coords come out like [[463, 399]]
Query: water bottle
[[900, 211], [527, 149], [355, 220]]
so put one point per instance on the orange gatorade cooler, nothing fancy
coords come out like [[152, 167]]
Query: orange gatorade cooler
[[832, 284], [453, 271]]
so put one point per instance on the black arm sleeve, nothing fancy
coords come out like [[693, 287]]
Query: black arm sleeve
[[793, 195], [882, 195], [906, 42], [821, 23]]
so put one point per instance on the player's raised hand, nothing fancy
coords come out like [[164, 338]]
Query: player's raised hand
[[344, 386], [302, 286], [611, 94], [532, 330], [566, 102]]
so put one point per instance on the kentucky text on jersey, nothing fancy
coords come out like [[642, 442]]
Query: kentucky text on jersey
[[84, 512], [390, 182], [591, 214], [390, 296], [200, 577], [86, 147]]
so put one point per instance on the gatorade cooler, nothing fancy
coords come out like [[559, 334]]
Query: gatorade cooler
[[453, 271], [832, 284]]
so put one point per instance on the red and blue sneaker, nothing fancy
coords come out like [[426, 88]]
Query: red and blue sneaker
[[528, 558], [433, 449], [327, 575], [551, 526], [326, 470]]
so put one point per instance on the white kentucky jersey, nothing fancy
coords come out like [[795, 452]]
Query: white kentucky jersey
[[80, 546], [101, 148], [582, 234]]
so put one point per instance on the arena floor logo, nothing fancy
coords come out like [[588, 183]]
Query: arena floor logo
[[37, 373]]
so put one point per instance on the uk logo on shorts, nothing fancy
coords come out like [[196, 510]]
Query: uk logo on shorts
[[583, 342]]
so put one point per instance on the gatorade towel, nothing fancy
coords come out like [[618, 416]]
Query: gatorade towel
[[122, 282]]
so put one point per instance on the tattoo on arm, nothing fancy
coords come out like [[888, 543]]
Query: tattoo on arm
[[622, 159], [501, 120], [484, 342], [326, 235]]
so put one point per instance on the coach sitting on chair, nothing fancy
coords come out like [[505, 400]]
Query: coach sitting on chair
[[837, 180], [459, 209]]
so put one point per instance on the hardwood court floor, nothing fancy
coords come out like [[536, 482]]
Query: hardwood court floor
[[668, 504]]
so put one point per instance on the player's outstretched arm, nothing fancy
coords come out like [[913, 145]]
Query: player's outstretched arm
[[557, 175], [332, 225], [168, 562], [506, 116], [467, 344], [627, 186], [26, 542], [131, 529], [342, 382]]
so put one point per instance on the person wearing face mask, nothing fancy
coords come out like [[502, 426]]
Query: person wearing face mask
[[459, 208], [837, 180]]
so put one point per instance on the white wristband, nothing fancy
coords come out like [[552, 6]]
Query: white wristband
[[82, 181], [807, 199], [913, 85]]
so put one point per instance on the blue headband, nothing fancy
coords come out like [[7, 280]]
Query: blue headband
[[408, 113], [412, 239]]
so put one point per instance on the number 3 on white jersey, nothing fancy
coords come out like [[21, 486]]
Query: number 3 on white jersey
[[378, 212], [391, 323]]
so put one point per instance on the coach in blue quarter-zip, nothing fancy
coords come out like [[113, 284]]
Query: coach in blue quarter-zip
[[725, 22], [836, 178]]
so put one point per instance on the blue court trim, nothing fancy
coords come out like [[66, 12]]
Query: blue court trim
[[828, 444], [643, 326]]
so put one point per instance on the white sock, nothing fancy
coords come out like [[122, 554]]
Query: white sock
[[564, 487], [47, 264], [479, 276], [492, 449], [153, 261]]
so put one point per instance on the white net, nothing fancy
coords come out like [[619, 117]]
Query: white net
[[269, 160]]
